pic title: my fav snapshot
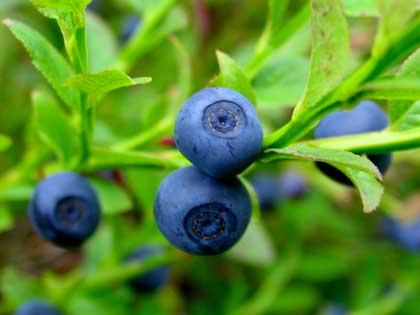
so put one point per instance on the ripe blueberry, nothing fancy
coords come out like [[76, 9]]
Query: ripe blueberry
[[292, 185], [200, 214], [407, 234], [272, 189], [335, 309], [366, 117], [268, 193], [218, 130], [130, 25], [65, 209], [37, 308], [155, 278]]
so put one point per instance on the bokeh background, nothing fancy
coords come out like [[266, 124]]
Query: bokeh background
[[314, 252]]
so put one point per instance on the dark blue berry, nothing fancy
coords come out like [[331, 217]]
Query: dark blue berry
[[335, 310], [37, 308], [200, 214], [407, 234], [292, 185], [273, 189], [218, 130], [153, 279], [366, 117], [130, 26], [95, 5], [65, 209], [267, 190]]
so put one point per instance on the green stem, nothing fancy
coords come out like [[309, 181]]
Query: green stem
[[165, 126], [386, 305], [109, 159], [304, 119], [373, 142], [276, 280], [86, 112]]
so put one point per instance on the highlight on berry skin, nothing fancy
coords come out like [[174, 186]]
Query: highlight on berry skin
[[65, 209]]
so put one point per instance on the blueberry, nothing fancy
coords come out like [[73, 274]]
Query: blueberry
[[273, 189], [407, 234], [65, 209], [366, 117], [218, 130], [37, 308], [292, 185], [267, 190], [130, 25], [155, 278], [95, 5], [334, 309], [200, 214]]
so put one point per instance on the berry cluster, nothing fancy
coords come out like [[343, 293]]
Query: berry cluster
[[205, 209]]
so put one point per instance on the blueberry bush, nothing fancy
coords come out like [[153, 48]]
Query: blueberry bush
[[238, 157]]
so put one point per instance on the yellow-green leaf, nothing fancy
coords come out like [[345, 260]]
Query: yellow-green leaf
[[330, 51], [232, 76], [98, 84]]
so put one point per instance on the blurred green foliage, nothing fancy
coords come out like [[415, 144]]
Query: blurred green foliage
[[300, 258]]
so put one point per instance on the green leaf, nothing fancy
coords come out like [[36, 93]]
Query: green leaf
[[362, 172], [312, 153], [232, 76], [70, 16], [255, 247], [281, 81], [369, 188], [58, 9], [5, 142], [274, 25], [54, 127], [113, 198], [102, 44], [360, 8], [47, 60], [394, 17], [400, 88], [411, 118], [17, 288], [405, 114], [6, 219], [330, 51], [97, 85]]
